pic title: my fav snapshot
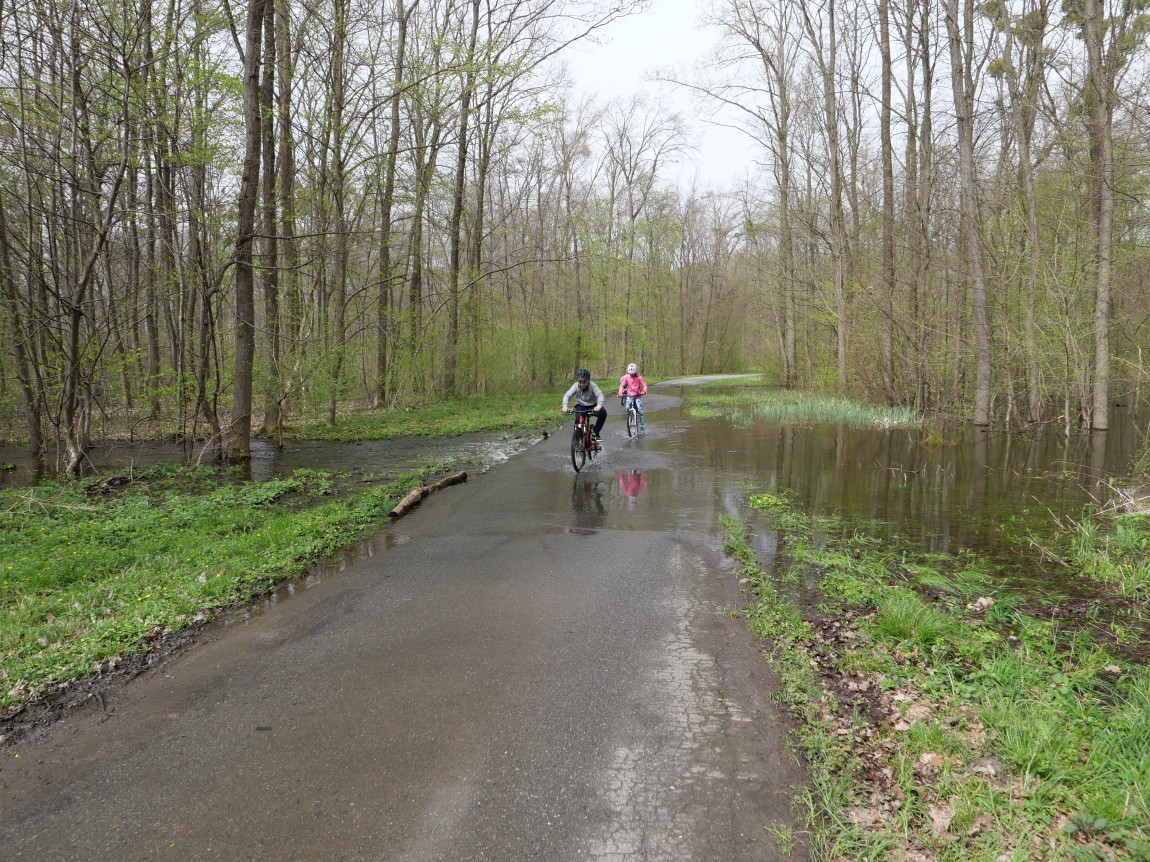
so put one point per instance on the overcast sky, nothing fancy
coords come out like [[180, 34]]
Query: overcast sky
[[666, 35]]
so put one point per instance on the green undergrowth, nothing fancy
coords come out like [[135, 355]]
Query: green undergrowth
[[89, 573], [787, 407], [522, 413], [1112, 547], [940, 721]]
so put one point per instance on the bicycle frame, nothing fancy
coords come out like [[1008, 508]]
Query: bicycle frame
[[630, 404], [582, 439]]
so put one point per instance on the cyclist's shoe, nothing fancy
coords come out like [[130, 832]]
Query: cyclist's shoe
[[596, 440]]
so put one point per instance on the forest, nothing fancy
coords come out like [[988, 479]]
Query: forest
[[216, 218]]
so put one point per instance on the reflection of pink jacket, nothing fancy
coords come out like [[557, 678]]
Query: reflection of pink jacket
[[632, 384], [632, 484]]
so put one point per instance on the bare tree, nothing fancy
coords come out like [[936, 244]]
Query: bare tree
[[887, 240], [960, 33], [768, 46], [822, 32], [1025, 88]]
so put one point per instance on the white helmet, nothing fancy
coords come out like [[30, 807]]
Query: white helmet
[[632, 368]]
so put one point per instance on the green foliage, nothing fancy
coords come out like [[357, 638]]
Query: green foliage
[[785, 407], [84, 579], [1114, 549]]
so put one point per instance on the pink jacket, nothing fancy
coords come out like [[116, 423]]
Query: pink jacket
[[632, 384]]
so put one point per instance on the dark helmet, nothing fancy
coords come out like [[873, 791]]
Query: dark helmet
[[582, 374]]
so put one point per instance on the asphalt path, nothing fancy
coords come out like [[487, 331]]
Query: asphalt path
[[535, 665]]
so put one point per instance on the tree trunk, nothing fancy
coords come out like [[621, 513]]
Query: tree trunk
[[386, 275], [1024, 98], [826, 55], [28, 389], [888, 271], [961, 39], [273, 381], [291, 335], [339, 180], [454, 224], [239, 434], [1099, 99]]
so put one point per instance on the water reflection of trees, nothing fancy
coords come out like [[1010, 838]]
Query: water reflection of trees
[[951, 490]]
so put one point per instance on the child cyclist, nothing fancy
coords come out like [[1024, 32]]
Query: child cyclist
[[632, 385], [589, 397]]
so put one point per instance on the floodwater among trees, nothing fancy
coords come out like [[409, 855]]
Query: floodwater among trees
[[371, 459]]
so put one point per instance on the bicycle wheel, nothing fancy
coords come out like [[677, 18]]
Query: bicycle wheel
[[632, 421], [578, 453]]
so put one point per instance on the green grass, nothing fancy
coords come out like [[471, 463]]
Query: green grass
[[1112, 548], [517, 413], [905, 618], [85, 578], [749, 379], [957, 727], [792, 408]]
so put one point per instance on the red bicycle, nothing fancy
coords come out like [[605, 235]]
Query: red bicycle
[[583, 443]]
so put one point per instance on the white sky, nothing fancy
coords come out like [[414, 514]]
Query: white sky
[[667, 35]]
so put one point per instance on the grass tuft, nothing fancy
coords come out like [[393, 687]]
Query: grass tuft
[[905, 618], [793, 408]]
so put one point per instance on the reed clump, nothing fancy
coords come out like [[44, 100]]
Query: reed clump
[[795, 408]]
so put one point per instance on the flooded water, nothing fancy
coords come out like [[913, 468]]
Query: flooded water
[[947, 494], [975, 491], [375, 459]]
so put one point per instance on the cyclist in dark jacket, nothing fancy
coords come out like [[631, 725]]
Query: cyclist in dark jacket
[[589, 396]]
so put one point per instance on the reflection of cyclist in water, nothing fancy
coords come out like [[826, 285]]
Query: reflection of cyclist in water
[[587, 505], [632, 484]]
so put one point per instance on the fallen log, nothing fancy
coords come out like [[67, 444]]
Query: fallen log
[[412, 499], [453, 479]]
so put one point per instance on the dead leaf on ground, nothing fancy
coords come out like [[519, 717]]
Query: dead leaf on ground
[[928, 761], [988, 766], [866, 816], [940, 813], [979, 825]]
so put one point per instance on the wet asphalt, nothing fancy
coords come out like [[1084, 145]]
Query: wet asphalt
[[535, 665]]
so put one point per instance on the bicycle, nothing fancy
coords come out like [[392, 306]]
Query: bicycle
[[632, 414], [583, 445]]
